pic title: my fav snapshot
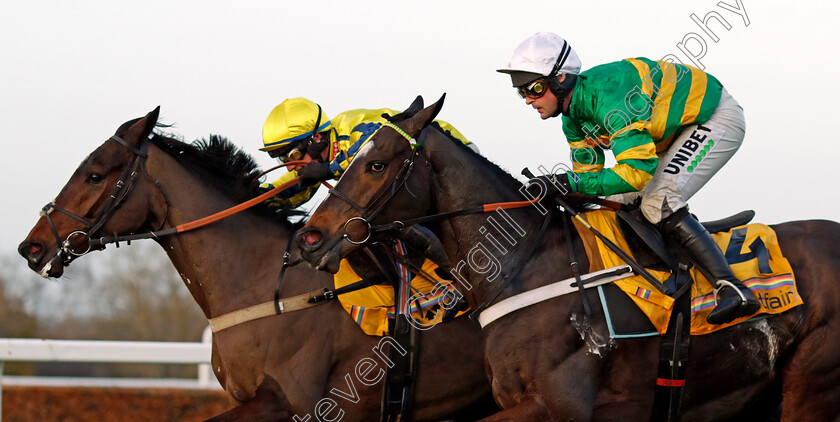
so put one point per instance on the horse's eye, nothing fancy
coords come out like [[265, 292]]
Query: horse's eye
[[95, 178], [377, 166]]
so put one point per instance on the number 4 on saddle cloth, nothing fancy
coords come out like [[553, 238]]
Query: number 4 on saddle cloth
[[752, 251]]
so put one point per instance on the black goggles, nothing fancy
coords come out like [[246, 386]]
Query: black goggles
[[289, 153], [534, 89]]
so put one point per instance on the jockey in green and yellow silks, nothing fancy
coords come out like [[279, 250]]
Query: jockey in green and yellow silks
[[670, 126], [289, 134]]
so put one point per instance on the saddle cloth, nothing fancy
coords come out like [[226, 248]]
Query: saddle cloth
[[753, 254], [372, 306]]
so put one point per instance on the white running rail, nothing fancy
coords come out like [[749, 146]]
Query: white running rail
[[92, 351]]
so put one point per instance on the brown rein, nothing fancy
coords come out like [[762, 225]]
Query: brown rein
[[192, 225], [238, 208]]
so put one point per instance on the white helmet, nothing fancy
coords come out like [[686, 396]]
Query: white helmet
[[542, 54]]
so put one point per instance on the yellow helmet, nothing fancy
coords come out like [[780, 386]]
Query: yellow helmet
[[293, 120]]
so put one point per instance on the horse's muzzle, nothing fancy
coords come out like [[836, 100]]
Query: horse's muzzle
[[323, 253], [38, 258], [33, 251]]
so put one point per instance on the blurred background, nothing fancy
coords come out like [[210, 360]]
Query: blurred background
[[72, 72]]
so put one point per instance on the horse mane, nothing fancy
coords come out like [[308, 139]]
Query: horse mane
[[577, 201], [224, 165], [502, 175]]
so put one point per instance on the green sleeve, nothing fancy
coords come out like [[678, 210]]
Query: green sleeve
[[604, 116]]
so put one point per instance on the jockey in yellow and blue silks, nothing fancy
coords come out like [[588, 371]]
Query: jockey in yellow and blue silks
[[289, 134], [670, 126]]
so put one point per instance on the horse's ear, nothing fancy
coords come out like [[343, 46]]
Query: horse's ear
[[141, 128], [421, 119], [415, 106]]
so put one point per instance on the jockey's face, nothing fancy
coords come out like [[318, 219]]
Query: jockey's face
[[545, 104], [323, 156]]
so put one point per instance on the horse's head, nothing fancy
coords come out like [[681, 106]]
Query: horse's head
[[388, 180], [109, 179]]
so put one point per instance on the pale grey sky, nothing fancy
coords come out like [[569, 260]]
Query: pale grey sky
[[72, 72]]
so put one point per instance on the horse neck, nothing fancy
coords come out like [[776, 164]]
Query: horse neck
[[227, 265], [501, 237]]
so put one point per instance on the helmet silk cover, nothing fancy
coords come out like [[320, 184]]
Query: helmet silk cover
[[293, 120]]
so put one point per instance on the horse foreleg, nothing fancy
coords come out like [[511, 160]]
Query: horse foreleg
[[269, 404]]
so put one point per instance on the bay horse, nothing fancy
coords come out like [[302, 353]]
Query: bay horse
[[299, 363], [549, 361]]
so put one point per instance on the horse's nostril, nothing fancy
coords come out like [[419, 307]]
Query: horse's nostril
[[312, 237], [31, 250]]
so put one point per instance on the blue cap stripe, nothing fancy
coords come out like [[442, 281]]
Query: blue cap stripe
[[299, 137]]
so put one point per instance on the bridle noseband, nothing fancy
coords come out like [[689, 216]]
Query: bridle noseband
[[125, 184]]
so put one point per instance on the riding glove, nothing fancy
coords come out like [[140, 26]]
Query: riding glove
[[314, 172], [555, 184]]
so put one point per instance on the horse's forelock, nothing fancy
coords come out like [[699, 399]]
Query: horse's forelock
[[375, 139]]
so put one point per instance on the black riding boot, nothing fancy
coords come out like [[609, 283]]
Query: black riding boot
[[734, 300]]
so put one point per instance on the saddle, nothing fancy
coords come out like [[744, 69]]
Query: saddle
[[641, 234], [675, 315], [752, 251], [634, 225]]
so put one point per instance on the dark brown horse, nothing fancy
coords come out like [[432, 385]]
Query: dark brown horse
[[311, 362], [549, 361]]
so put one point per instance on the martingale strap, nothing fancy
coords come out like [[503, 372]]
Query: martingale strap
[[397, 393], [574, 265], [283, 268]]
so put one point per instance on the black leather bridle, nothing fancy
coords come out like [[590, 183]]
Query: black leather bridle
[[387, 193], [65, 249]]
